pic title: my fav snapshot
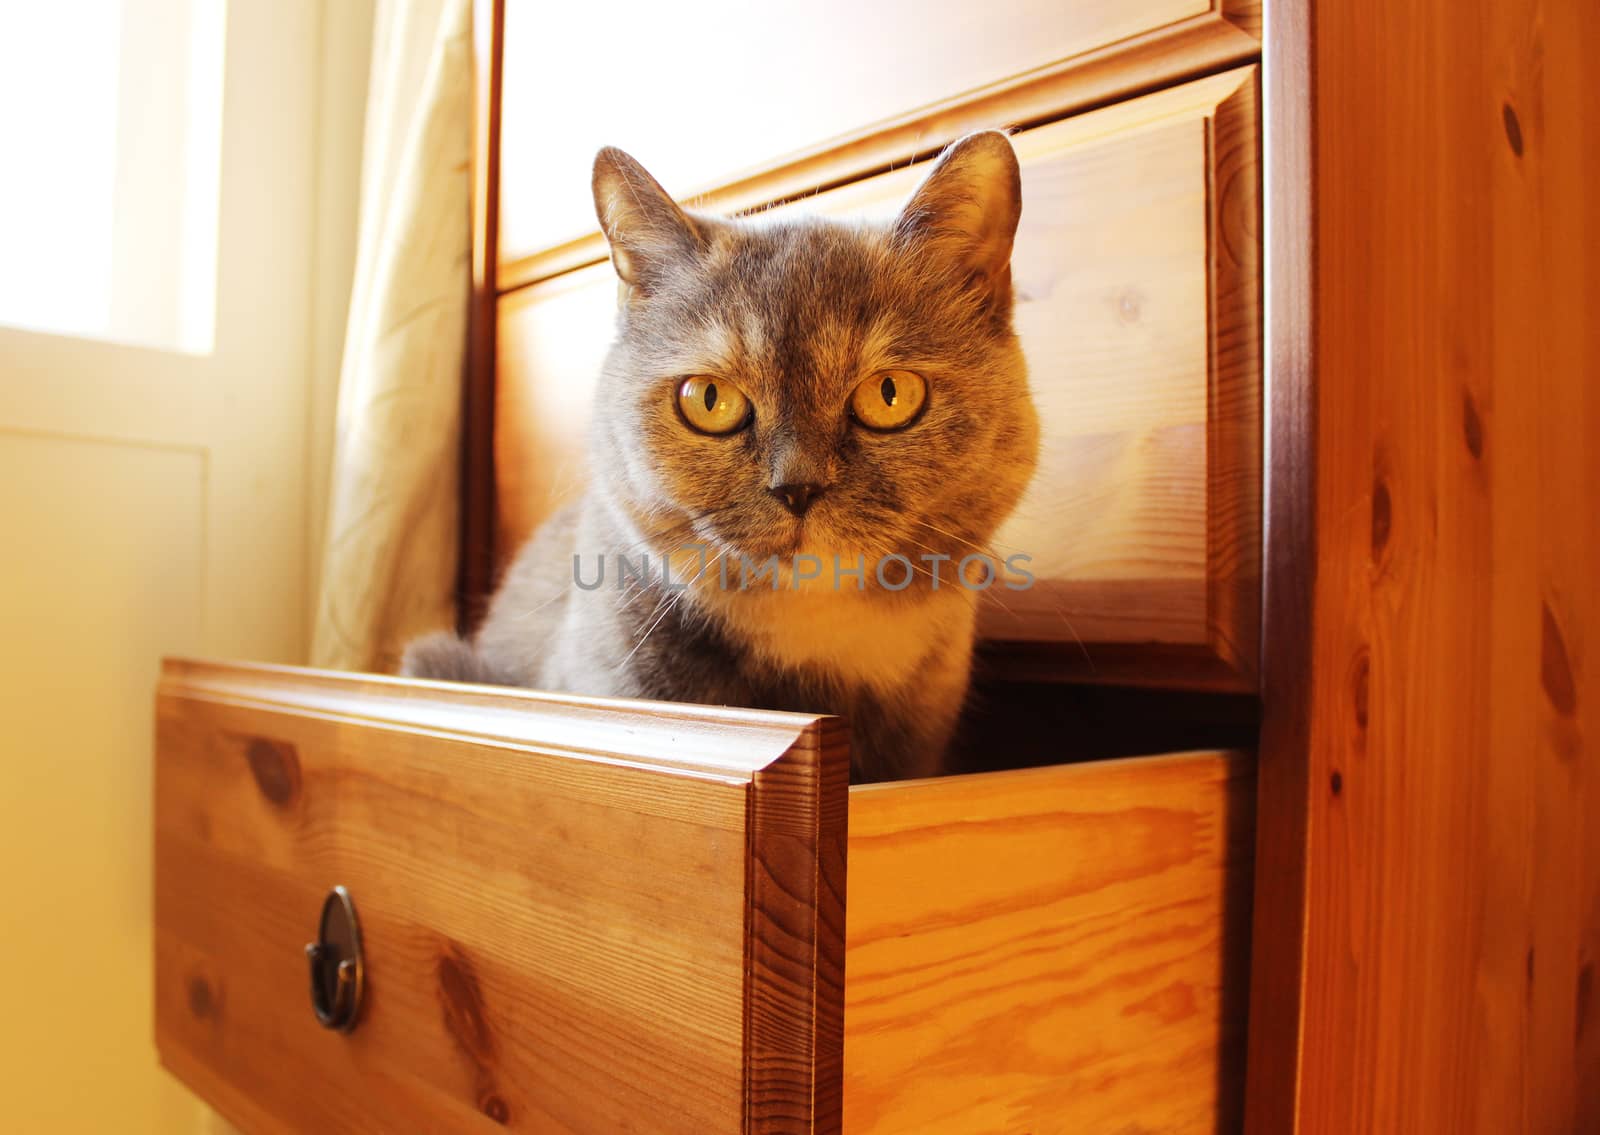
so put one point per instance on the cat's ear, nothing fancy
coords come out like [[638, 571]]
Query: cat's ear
[[965, 212], [647, 230]]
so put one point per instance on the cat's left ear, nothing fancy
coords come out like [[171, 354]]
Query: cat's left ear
[[648, 232], [966, 210]]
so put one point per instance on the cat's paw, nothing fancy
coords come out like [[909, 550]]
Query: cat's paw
[[445, 657]]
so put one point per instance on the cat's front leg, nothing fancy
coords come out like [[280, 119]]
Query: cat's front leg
[[446, 657], [906, 734]]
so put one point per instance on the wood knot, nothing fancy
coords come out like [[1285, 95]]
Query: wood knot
[[276, 768], [1361, 686], [202, 1002], [461, 1000], [1382, 517], [1585, 996], [1336, 782], [1130, 306], [1508, 115], [1555, 668], [1471, 425]]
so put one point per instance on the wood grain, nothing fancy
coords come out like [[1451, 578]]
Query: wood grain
[[1289, 552], [1244, 15], [474, 567], [1137, 270], [798, 817], [1233, 391], [553, 340], [576, 913], [1021, 65], [1453, 916], [581, 912], [1050, 951]]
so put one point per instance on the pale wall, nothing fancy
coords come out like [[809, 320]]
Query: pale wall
[[150, 503]]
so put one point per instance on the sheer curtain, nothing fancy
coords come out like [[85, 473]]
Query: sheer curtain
[[389, 567]]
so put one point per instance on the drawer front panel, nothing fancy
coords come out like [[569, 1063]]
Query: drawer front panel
[[760, 104], [1138, 282], [555, 939]]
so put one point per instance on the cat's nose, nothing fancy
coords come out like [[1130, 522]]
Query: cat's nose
[[797, 497]]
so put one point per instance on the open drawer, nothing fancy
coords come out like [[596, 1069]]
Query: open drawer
[[583, 915]]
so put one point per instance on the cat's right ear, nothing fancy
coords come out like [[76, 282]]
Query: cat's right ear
[[965, 212], [648, 232]]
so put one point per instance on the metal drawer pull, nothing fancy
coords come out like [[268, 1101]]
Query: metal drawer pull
[[337, 967]]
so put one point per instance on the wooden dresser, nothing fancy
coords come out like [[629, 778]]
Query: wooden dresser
[[586, 915]]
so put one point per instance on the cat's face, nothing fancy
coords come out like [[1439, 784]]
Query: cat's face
[[808, 386]]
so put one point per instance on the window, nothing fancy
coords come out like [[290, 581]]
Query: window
[[112, 144]]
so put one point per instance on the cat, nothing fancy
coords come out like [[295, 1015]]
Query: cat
[[830, 393]]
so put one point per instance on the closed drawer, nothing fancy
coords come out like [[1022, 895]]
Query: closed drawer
[[582, 915], [1137, 270], [773, 100]]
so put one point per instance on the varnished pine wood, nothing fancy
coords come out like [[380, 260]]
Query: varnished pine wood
[[1243, 14], [798, 816], [581, 912], [1053, 950], [1162, 56], [577, 913], [1289, 555], [474, 566], [1137, 271], [1452, 873], [1233, 392]]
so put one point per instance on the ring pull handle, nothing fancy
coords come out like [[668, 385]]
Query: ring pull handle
[[338, 970]]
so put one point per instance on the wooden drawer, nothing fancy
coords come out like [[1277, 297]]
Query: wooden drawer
[[1137, 270], [757, 126], [577, 916], [582, 915]]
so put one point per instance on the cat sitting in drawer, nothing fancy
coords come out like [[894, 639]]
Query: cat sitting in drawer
[[806, 433]]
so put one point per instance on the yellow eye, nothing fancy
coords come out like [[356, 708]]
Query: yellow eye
[[712, 406], [889, 400]]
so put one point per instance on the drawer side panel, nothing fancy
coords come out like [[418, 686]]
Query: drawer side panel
[[1050, 950]]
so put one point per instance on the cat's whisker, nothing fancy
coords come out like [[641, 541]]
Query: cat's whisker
[[1072, 629], [925, 571], [680, 527], [975, 547], [665, 598], [524, 616], [631, 595], [993, 594], [925, 548], [671, 604], [933, 575]]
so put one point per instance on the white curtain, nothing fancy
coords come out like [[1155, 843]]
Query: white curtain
[[390, 562]]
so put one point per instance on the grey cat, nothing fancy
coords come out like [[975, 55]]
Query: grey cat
[[828, 393]]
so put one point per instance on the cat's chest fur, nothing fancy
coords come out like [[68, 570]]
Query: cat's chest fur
[[895, 666], [872, 643]]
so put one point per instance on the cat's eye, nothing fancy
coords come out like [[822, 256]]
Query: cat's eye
[[713, 406], [889, 400]]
